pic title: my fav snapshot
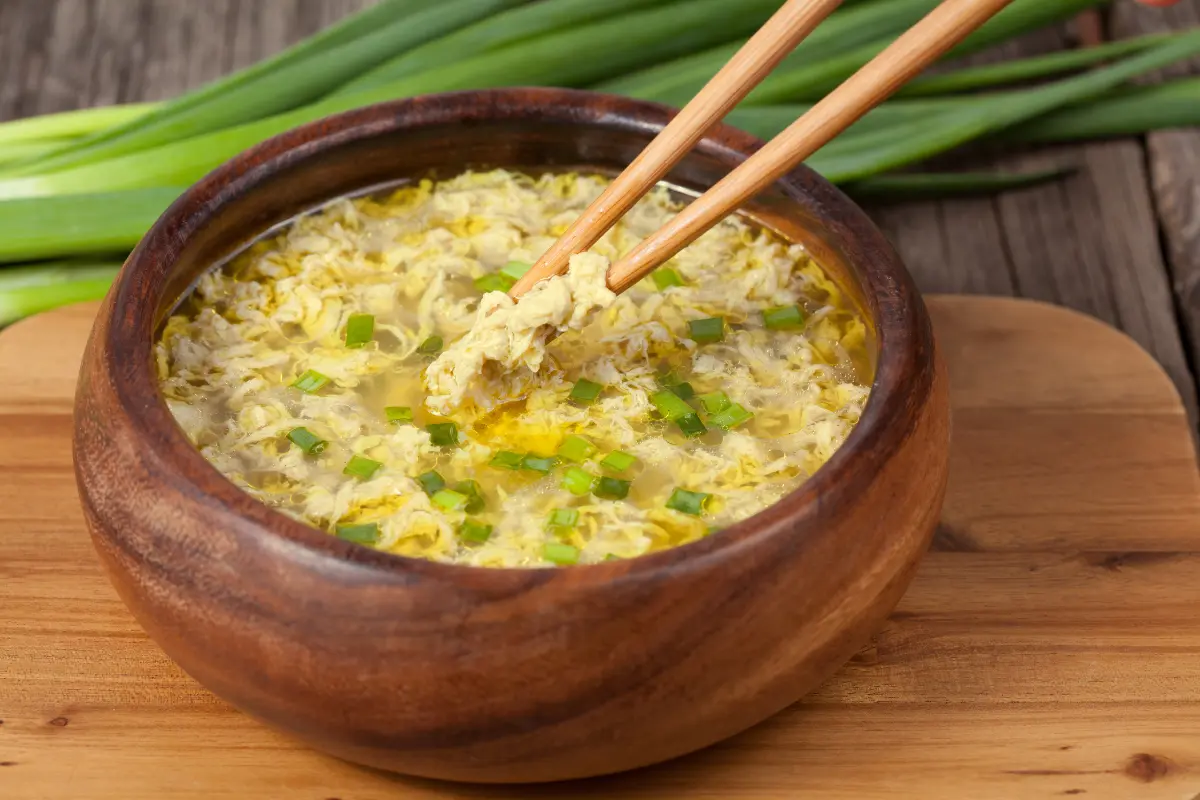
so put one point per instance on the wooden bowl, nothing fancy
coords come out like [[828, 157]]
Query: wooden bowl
[[506, 675]]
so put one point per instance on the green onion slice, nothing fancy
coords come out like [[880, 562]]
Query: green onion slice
[[443, 434], [430, 346], [494, 282], [474, 493], [361, 467], [362, 533], [559, 553], [431, 481], [450, 500], [688, 502], [474, 531], [611, 488], [783, 317], [540, 464], [670, 405], [515, 270], [399, 415], [585, 391], [683, 391], [664, 278], [577, 481], [576, 448], [618, 461], [731, 417], [714, 401], [691, 425], [360, 329], [307, 441], [563, 518], [507, 459], [707, 330], [311, 381]]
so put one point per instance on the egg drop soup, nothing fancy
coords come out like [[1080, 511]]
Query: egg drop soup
[[327, 370]]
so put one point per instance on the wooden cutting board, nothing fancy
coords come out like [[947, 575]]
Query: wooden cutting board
[[1049, 647]]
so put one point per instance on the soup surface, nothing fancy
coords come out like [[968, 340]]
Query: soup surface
[[332, 372]]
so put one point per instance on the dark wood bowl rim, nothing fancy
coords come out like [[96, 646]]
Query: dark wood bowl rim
[[901, 380]]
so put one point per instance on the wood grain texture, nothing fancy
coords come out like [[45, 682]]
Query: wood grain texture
[[1052, 655]]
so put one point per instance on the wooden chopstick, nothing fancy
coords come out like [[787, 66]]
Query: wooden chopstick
[[778, 36], [917, 48]]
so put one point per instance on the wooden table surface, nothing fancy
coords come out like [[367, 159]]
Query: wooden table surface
[[1120, 240]]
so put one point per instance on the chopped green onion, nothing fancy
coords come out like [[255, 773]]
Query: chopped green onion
[[494, 282], [472, 531], [668, 379], [399, 415], [670, 405], [577, 481], [363, 533], [783, 317], [683, 391], [443, 434], [707, 330], [430, 346], [691, 425], [585, 391], [563, 518], [431, 481], [311, 381], [307, 441], [507, 459], [515, 270], [665, 278], [360, 329], [450, 500], [559, 553], [688, 502], [731, 417], [361, 467], [540, 464], [576, 448], [474, 493], [618, 461], [714, 401], [611, 488]]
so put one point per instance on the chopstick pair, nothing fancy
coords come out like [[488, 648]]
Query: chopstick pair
[[917, 48]]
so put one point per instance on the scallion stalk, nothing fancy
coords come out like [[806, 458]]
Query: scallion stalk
[[30, 289]]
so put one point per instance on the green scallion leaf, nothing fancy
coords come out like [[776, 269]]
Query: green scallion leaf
[[618, 461], [515, 270], [494, 282], [714, 401], [307, 441], [311, 381], [449, 500], [611, 488], [688, 502], [431, 481], [443, 434], [783, 317], [563, 518], [731, 417], [577, 481], [576, 448], [559, 553], [507, 459], [361, 467], [431, 346], [540, 464], [360, 329], [399, 415], [683, 391], [362, 533], [670, 405], [474, 494], [585, 391], [691, 425], [664, 278], [474, 531], [707, 330]]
